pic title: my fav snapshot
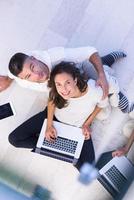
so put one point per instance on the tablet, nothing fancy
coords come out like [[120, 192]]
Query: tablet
[[6, 110]]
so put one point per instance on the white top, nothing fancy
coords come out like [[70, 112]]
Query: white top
[[51, 57], [79, 109]]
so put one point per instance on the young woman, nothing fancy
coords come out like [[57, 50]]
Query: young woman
[[74, 101]]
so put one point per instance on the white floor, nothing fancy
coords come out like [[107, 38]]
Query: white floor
[[29, 25]]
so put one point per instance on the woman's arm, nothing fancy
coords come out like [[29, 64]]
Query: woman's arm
[[86, 126], [90, 119], [50, 113], [50, 133]]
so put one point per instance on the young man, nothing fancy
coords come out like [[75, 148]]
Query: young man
[[33, 70]]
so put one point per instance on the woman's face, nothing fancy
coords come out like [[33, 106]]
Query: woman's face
[[65, 85]]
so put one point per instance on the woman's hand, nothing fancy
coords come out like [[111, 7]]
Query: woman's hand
[[86, 131], [120, 152], [50, 133]]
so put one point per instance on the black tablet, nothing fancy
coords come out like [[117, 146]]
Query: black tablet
[[6, 110]]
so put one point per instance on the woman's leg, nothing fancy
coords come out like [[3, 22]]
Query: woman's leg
[[109, 59], [87, 154], [26, 135]]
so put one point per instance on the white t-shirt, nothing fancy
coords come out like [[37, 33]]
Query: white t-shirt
[[79, 109], [51, 57]]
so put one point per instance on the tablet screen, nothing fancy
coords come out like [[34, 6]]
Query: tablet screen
[[6, 111]]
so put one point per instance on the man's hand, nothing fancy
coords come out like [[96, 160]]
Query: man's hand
[[86, 131], [120, 152], [5, 82], [51, 134], [102, 82]]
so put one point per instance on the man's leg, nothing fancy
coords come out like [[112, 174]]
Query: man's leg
[[87, 154], [111, 58], [26, 135], [124, 105], [89, 71]]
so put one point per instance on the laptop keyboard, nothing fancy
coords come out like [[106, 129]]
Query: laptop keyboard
[[62, 144], [116, 177]]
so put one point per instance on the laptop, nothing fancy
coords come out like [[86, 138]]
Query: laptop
[[67, 146], [116, 174], [7, 110]]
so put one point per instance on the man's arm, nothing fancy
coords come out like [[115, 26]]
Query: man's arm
[[130, 141], [124, 150], [101, 81], [5, 82]]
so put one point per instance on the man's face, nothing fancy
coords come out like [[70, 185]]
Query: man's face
[[34, 70]]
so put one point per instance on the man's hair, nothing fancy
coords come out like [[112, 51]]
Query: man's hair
[[16, 63], [71, 69]]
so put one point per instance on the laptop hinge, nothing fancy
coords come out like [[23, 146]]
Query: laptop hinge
[[55, 155], [37, 150]]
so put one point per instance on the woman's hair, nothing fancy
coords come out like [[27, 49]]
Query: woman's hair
[[71, 69]]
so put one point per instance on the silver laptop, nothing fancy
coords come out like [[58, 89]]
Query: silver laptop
[[116, 174], [66, 147]]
